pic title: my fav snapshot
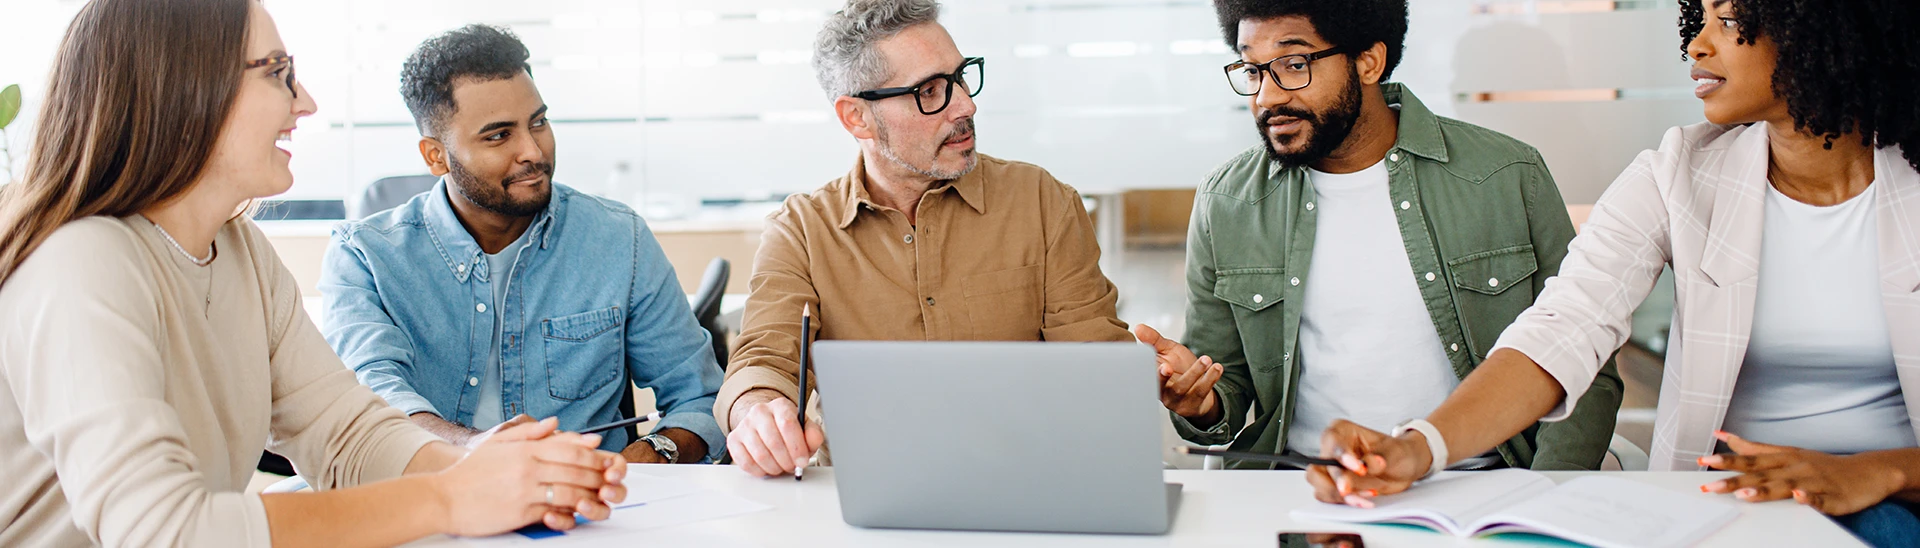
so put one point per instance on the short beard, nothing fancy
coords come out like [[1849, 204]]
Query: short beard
[[494, 197], [1328, 130], [886, 151]]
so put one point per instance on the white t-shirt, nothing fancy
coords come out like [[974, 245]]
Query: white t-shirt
[[1368, 350], [491, 410], [1819, 371]]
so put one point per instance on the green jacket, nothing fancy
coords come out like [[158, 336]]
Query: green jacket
[[1484, 228]]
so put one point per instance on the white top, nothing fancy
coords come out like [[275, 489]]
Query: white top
[[1368, 349], [1819, 372]]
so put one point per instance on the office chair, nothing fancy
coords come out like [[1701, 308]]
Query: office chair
[[706, 306], [388, 193]]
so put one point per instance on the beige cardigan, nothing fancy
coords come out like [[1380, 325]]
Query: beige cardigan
[[1697, 204], [137, 390]]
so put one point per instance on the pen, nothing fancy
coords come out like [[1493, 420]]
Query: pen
[[806, 332], [1290, 460], [654, 416]]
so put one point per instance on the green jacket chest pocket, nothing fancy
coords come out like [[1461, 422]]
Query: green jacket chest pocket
[[1491, 289], [1254, 295]]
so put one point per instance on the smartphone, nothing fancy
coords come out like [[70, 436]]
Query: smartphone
[[1320, 539]]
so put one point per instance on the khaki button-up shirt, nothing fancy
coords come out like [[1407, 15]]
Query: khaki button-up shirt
[[1006, 253]]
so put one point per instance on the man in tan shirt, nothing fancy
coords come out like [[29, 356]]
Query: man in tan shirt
[[924, 240]]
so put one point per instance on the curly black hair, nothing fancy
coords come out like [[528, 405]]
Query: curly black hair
[[474, 51], [1353, 25], [1844, 66]]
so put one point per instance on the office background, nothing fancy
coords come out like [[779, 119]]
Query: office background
[[701, 114]]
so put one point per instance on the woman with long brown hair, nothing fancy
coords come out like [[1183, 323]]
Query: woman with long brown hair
[[153, 343]]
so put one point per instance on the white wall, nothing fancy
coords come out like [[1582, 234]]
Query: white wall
[[677, 99]]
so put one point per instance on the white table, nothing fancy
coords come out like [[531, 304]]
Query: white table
[[1219, 508]]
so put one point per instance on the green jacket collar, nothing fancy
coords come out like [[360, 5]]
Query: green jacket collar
[[1419, 128]]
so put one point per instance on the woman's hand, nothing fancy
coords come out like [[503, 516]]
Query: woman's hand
[[1371, 464], [530, 473], [1834, 485]]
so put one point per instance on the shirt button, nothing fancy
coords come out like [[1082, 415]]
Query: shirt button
[[1395, 157], [1259, 299], [909, 238], [1309, 206], [1286, 356], [1430, 276], [1295, 281], [1406, 206], [481, 308], [1454, 347], [462, 268], [473, 381], [1493, 282], [929, 301]]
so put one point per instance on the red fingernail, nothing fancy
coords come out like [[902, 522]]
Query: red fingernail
[[1703, 488], [1372, 493]]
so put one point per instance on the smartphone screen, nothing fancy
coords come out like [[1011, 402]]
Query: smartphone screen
[[1320, 539]]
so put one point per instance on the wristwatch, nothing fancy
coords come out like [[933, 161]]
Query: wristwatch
[[664, 446], [1436, 447]]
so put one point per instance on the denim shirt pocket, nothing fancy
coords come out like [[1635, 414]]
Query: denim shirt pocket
[[1490, 292], [1255, 295], [583, 352]]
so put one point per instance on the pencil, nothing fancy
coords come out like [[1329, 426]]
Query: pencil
[[806, 332], [1290, 460], [654, 416]]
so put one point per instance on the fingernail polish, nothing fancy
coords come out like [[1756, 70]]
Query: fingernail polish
[[1372, 493], [1703, 488]]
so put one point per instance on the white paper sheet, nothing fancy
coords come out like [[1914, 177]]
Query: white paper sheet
[[652, 502]]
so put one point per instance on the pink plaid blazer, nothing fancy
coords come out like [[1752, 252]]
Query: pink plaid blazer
[[1696, 204]]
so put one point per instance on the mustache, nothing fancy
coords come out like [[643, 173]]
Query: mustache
[[1265, 117], [964, 130], [543, 168]]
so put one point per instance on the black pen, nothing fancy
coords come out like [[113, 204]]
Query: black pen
[[654, 416], [806, 332], [1289, 460]]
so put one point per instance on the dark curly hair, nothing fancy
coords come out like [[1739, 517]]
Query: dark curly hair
[[1845, 66], [474, 51], [1353, 25]]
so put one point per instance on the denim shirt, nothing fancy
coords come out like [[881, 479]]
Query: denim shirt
[[592, 302]]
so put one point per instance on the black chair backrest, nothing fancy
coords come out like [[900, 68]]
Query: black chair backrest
[[389, 193], [706, 306]]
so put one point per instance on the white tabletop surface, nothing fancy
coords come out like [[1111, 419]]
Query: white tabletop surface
[[1219, 508]]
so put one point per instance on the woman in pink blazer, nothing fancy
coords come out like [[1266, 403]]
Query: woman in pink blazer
[[1792, 224]]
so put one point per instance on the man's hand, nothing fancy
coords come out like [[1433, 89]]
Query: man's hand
[[768, 440], [480, 438], [1186, 382], [1371, 464], [1834, 485]]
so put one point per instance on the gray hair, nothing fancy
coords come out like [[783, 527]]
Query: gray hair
[[844, 59]]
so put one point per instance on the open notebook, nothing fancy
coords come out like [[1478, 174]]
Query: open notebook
[[1593, 510]]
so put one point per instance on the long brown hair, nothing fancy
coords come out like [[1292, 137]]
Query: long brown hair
[[139, 92]]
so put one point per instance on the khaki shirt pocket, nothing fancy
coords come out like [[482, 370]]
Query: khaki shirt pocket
[[1005, 305]]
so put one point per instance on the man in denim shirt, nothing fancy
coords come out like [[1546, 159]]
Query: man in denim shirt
[[499, 293]]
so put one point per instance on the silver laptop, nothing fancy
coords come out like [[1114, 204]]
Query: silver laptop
[[1046, 437]]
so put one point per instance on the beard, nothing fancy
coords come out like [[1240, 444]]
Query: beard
[[931, 171], [493, 196], [1326, 130]]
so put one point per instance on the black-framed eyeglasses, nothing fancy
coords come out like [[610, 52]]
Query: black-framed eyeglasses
[[1292, 72], [935, 93], [274, 61]]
